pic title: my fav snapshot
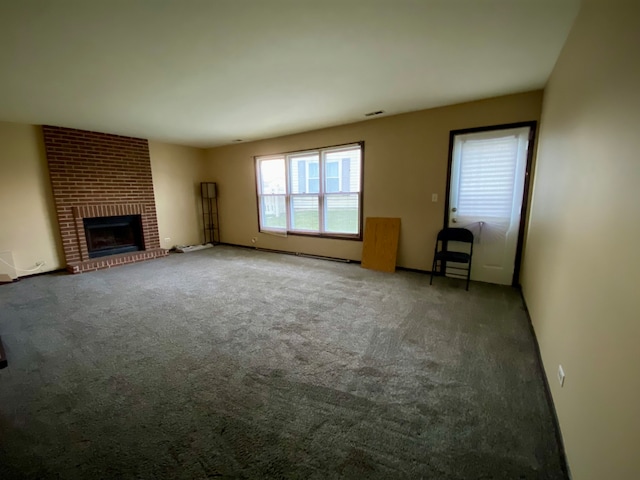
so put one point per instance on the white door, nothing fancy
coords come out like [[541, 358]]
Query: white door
[[487, 184]]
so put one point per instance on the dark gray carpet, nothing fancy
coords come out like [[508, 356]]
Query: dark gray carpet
[[236, 363]]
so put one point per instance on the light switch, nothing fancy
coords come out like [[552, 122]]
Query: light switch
[[434, 197]]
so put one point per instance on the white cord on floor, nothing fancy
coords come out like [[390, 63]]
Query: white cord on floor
[[21, 269]]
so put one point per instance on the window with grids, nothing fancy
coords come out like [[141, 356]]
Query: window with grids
[[315, 192]]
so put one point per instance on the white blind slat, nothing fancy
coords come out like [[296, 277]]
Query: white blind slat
[[487, 177]]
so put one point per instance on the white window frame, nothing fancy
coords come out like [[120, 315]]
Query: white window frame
[[288, 159], [308, 178], [339, 177]]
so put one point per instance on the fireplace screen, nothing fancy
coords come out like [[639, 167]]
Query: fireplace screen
[[113, 235]]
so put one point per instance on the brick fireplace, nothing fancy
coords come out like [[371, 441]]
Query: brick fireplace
[[96, 175]]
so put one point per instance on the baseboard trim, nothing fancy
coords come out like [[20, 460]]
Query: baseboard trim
[[321, 257], [414, 270], [295, 254], [31, 275], [6, 279], [249, 247], [57, 270], [564, 464]]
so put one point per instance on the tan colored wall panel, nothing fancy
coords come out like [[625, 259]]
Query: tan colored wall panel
[[405, 162], [177, 172], [28, 224], [581, 270]]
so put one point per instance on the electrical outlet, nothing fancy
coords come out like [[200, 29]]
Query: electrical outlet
[[254, 239], [167, 239], [561, 375]]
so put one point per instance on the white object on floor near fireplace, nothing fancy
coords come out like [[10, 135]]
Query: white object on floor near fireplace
[[192, 248]]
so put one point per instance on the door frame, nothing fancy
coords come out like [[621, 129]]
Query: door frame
[[515, 281]]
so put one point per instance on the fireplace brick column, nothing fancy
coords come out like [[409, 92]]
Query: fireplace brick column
[[98, 175]]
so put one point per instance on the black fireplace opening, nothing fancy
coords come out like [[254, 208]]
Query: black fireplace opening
[[113, 235]]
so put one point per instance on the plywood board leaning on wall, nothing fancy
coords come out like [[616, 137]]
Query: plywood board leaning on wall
[[380, 246]]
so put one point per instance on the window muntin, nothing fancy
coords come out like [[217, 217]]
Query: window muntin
[[314, 192]]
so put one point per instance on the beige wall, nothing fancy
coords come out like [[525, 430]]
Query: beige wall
[[581, 274], [177, 173], [405, 162], [28, 227]]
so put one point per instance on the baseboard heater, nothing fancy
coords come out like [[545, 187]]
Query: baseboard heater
[[321, 257], [307, 255]]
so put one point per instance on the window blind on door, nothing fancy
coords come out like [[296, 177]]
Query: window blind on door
[[487, 177]]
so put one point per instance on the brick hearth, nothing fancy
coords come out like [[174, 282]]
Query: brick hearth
[[96, 175]]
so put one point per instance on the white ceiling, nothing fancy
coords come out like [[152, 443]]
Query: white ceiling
[[206, 72]]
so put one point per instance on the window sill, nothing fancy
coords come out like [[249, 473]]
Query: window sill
[[332, 236]]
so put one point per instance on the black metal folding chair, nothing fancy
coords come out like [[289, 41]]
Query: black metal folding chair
[[442, 254]]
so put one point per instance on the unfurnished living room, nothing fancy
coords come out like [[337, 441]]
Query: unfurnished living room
[[333, 239]]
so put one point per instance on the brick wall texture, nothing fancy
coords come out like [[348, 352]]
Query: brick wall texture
[[98, 174]]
